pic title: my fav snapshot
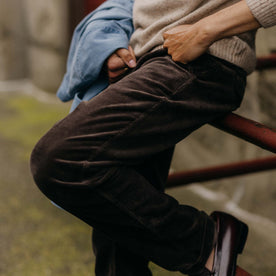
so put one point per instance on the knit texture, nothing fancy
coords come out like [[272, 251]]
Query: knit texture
[[264, 11], [153, 18]]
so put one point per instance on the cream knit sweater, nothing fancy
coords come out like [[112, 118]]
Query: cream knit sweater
[[153, 17]]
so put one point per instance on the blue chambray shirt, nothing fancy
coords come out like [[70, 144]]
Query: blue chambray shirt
[[97, 36]]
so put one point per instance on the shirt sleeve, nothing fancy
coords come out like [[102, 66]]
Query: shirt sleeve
[[264, 11], [97, 36]]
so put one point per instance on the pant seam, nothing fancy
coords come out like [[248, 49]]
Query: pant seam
[[155, 106], [188, 82], [142, 116], [121, 132]]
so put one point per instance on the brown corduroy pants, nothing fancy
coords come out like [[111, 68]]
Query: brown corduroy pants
[[107, 161]]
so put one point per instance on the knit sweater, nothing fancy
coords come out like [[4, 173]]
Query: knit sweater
[[153, 17]]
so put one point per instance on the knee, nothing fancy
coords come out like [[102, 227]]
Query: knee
[[42, 161], [39, 164], [57, 162]]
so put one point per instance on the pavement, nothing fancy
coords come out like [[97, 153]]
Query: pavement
[[36, 238]]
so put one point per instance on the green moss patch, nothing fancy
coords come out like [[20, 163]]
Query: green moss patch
[[24, 120]]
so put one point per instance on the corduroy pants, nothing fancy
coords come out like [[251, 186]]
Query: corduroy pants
[[107, 162]]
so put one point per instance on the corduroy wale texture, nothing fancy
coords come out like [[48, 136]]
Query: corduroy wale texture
[[107, 162], [103, 162], [153, 18]]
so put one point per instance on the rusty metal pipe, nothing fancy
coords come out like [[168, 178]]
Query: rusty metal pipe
[[248, 130], [266, 62], [222, 171]]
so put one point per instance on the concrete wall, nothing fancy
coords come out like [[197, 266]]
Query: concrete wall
[[47, 24], [34, 41], [13, 58]]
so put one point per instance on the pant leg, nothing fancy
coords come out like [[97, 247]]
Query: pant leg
[[90, 158], [113, 259]]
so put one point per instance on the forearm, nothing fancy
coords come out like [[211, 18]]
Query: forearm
[[230, 21], [187, 42]]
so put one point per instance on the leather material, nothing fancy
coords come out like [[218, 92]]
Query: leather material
[[231, 238]]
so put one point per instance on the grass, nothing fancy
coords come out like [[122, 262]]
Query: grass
[[25, 120]]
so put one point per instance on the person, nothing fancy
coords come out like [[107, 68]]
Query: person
[[108, 160]]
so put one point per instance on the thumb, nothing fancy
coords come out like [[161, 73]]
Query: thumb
[[127, 55]]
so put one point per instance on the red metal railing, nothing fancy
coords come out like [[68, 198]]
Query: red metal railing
[[266, 62], [91, 5], [246, 129], [77, 10], [222, 171]]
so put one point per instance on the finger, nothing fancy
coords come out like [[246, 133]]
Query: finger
[[165, 44], [116, 75], [127, 57], [165, 35], [177, 29], [115, 63], [171, 32], [132, 52]]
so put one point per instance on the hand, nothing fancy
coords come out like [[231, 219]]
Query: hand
[[119, 63], [187, 42]]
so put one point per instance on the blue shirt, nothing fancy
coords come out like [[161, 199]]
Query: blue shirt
[[97, 36]]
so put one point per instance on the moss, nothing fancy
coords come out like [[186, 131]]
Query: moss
[[25, 120]]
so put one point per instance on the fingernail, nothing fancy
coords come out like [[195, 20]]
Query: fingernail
[[131, 63]]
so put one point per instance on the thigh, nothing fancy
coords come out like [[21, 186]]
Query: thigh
[[145, 113]]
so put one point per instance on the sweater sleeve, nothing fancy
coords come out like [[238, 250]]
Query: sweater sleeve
[[264, 11]]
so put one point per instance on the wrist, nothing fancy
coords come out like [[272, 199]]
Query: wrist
[[234, 20], [208, 32]]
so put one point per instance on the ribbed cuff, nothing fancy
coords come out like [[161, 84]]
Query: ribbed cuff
[[264, 11], [236, 50]]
